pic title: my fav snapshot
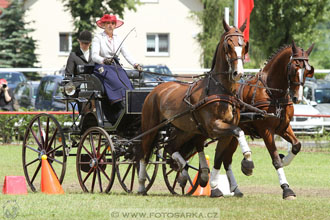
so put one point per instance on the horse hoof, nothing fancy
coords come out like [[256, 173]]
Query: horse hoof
[[238, 193], [288, 194], [247, 167], [290, 198], [142, 193], [204, 178], [216, 193]]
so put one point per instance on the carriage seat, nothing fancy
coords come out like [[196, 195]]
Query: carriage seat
[[90, 83]]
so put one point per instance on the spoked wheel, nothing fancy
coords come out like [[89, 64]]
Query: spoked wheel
[[171, 175], [96, 161], [128, 173], [43, 136]]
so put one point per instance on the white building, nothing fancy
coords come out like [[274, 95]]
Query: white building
[[165, 32]]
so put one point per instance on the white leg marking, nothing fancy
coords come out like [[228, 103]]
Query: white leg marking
[[301, 88], [288, 158], [231, 179], [244, 145], [281, 176], [142, 176], [179, 159], [215, 177]]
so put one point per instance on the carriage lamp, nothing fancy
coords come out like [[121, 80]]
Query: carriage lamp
[[70, 88]]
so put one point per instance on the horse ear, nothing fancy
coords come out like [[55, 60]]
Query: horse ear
[[294, 48], [225, 25], [246, 47], [310, 49], [242, 28]]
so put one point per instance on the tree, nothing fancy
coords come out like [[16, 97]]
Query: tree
[[211, 21], [86, 12], [17, 49], [278, 22]]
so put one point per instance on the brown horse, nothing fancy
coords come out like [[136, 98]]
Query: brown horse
[[273, 89], [205, 109]]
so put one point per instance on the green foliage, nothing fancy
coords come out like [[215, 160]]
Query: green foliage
[[211, 20], [272, 25], [276, 23], [86, 12], [16, 47]]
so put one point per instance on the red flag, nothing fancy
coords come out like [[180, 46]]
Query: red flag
[[244, 9]]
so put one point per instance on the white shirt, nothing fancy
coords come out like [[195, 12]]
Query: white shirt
[[104, 47], [86, 54]]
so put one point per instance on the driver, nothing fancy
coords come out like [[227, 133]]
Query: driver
[[106, 47], [6, 96]]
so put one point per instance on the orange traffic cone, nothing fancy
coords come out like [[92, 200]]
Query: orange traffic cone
[[202, 191], [49, 181]]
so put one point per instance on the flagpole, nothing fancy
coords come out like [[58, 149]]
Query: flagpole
[[235, 13], [227, 15]]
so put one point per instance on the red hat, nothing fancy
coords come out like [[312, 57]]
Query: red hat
[[109, 18], [3, 81]]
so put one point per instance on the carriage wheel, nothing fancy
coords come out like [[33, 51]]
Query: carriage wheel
[[43, 136], [171, 175], [96, 161], [128, 172]]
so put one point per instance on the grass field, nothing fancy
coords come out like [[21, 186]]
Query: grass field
[[308, 175]]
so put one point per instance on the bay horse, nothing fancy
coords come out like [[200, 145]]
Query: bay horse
[[273, 89], [207, 108]]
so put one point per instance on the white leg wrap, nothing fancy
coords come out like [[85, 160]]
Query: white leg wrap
[[142, 171], [202, 160], [288, 158], [281, 176], [244, 145], [179, 159], [215, 177], [231, 179]]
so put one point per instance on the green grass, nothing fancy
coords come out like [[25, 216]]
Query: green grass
[[308, 175]]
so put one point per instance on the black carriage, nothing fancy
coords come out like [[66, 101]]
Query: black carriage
[[103, 147]]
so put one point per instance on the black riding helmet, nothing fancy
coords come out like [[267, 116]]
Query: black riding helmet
[[85, 37]]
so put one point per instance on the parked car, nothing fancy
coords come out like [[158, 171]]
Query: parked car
[[13, 78], [48, 89], [147, 79], [317, 94], [306, 124], [26, 93]]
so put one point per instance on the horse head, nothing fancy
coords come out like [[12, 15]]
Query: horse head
[[298, 70], [234, 48]]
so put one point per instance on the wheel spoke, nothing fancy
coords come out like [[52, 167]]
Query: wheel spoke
[[127, 171], [31, 148], [99, 178], [36, 172], [175, 180], [52, 139], [53, 159], [99, 144], [33, 161], [40, 132], [133, 175], [93, 180], [91, 140], [47, 131], [88, 174], [104, 173], [89, 153], [36, 138], [55, 149]]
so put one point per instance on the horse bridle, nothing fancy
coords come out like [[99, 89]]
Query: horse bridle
[[225, 44], [292, 73]]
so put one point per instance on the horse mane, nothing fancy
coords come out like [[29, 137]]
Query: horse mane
[[276, 52], [214, 56]]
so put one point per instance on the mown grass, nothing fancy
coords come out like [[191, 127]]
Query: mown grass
[[308, 175]]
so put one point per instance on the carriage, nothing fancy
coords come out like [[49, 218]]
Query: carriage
[[103, 147]]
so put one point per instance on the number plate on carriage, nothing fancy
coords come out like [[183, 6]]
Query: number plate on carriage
[[135, 99]]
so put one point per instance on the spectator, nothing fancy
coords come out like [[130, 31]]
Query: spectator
[[6, 96]]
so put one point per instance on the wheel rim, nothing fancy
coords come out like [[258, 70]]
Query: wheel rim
[[97, 145], [171, 175], [44, 136], [128, 173]]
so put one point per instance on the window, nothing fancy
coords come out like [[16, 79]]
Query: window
[[158, 44], [65, 43]]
